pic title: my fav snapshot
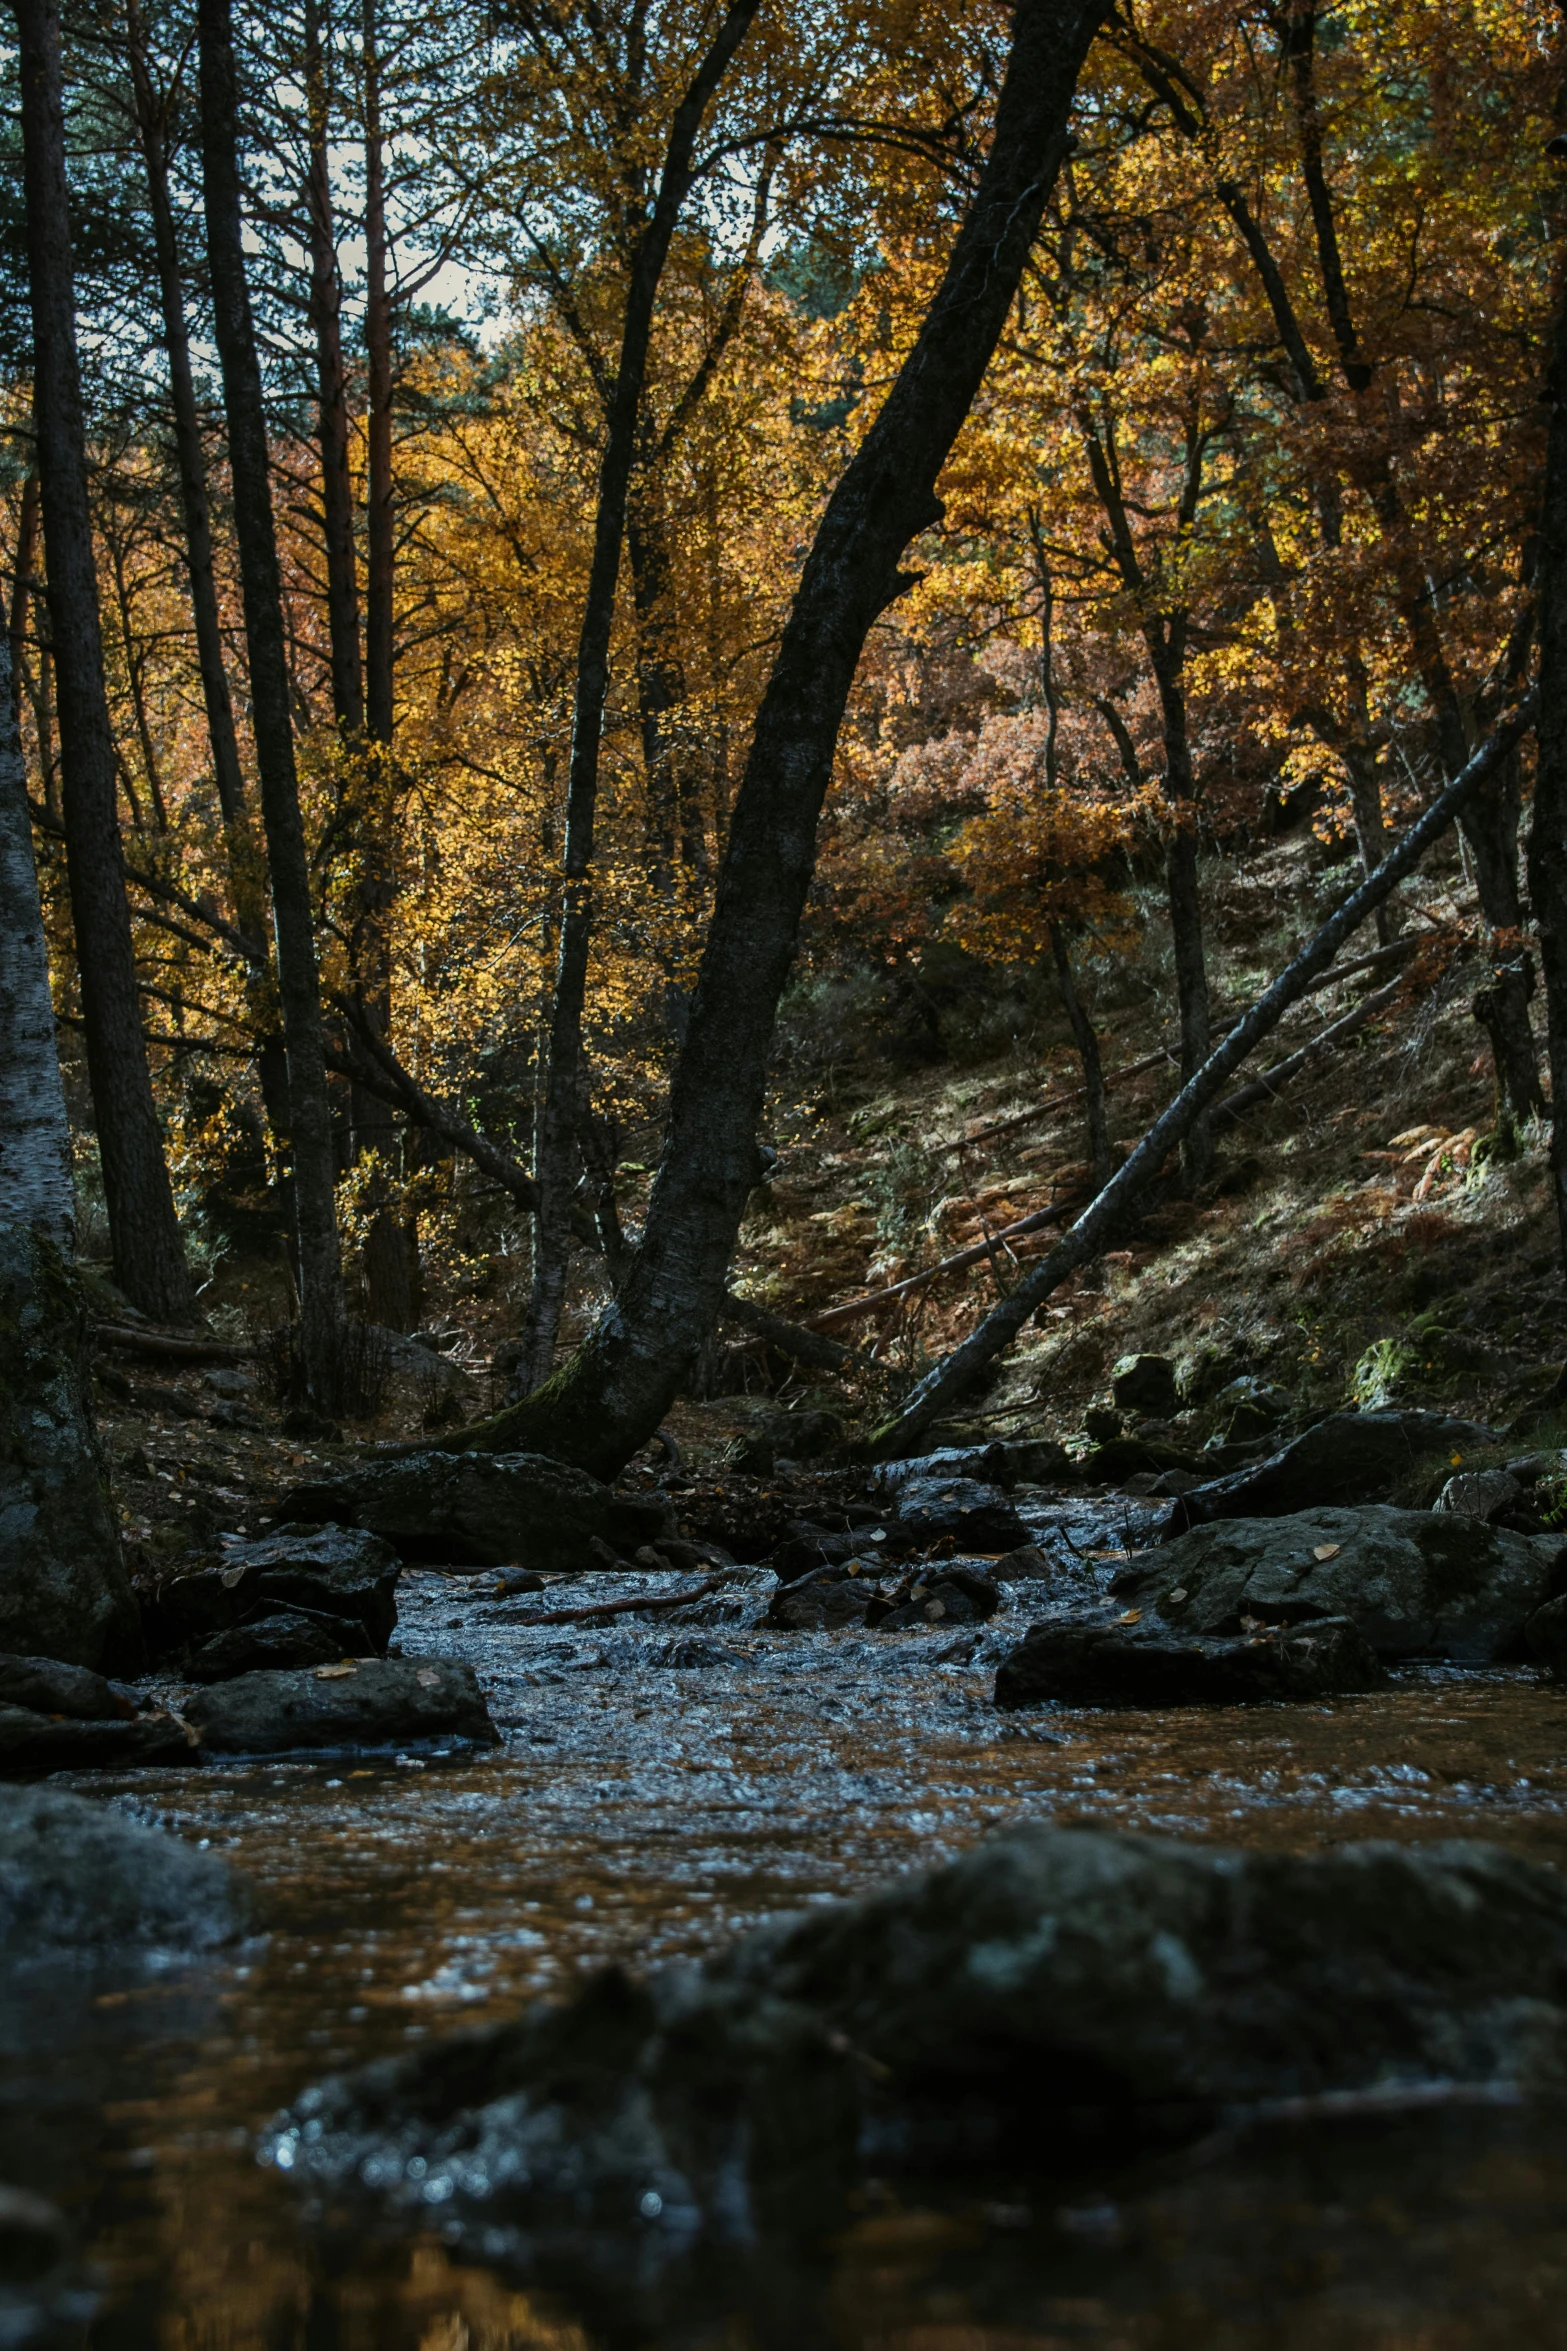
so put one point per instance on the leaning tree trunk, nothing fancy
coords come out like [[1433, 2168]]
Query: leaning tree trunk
[[1548, 831], [558, 1117], [149, 1260], [1107, 1214], [63, 1589], [610, 1398], [315, 1210]]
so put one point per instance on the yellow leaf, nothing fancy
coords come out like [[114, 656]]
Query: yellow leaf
[[334, 1673], [1130, 1616], [1326, 1550], [1177, 1596]]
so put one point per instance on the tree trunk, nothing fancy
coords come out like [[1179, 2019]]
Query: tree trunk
[[149, 1261], [320, 1278], [22, 583], [1502, 1007], [560, 1111], [63, 1589], [379, 543], [326, 322], [610, 1398], [1548, 831], [1104, 1216], [247, 876], [1088, 1053]]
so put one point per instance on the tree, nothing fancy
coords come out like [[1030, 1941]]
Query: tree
[[63, 1588], [610, 1397], [310, 1123], [149, 1260]]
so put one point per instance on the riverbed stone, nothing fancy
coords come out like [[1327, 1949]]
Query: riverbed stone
[[1088, 1661], [823, 1601], [950, 1595], [47, 1687], [342, 1574], [1348, 1457], [289, 1637], [972, 1516], [78, 1874], [481, 1509], [32, 1744], [1061, 1988], [371, 1702], [1418, 1583]]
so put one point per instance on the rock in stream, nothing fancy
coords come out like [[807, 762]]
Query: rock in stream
[[1054, 1987]]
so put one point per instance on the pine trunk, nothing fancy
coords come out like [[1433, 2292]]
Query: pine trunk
[[149, 1260], [320, 1276]]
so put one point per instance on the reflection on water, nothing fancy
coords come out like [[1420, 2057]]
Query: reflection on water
[[640, 1813]]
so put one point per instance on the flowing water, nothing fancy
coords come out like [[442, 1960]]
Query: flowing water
[[644, 1808]]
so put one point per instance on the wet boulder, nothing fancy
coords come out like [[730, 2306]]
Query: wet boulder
[[482, 1509], [32, 1743], [75, 1874], [1065, 1988], [1088, 1661], [1007, 1461], [945, 1595], [341, 1575], [823, 1601], [269, 1644], [44, 1686], [964, 1513], [1418, 1583], [369, 1702], [1348, 1457]]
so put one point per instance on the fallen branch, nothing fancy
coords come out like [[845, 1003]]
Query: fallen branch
[[1396, 951], [1109, 1210], [1265, 1088], [873, 1301], [170, 1350], [633, 1603]]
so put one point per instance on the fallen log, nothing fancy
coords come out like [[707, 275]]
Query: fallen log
[[169, 1349], [1106, 1213], [632, 1604]]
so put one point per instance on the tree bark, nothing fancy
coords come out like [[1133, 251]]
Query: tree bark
[[149, 1260], [1104, 1216], [611, 1397], [22, 583], [63, 1588], [560, 1107], [326, 323], [379, 521], [1548, 831], [320, 1277]]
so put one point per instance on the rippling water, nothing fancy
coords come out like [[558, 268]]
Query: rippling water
[[640, 1811]]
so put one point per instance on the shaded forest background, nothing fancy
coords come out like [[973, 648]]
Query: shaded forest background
[[1234, 569]]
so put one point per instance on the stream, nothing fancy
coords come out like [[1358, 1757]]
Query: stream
[[645, 1806]]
